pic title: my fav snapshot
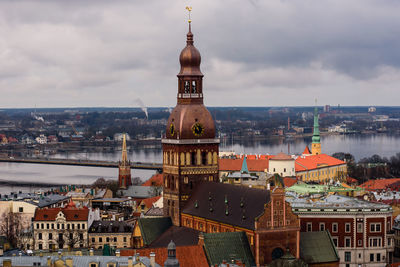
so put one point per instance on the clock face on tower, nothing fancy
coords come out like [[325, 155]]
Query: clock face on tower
[[172, 129], [197, 129]]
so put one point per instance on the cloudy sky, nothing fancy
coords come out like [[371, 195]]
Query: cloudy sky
[[57, 53]]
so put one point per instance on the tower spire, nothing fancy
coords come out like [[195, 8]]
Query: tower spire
[[124, 157], [316, 140]]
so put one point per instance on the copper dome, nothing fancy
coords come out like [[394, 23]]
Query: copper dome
[[182, 119], [190, 58]]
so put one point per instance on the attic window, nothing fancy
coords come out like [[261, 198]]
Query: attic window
[[75, 215], [46, 216]]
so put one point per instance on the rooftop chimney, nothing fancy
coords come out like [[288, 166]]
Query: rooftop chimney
[[152, 259]]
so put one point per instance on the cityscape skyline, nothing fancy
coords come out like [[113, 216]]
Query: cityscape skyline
[[280, 53]]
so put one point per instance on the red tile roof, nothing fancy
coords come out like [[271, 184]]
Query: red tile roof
[[306, 151], [188, 256], [380, 184], [71, 214], [281, 156], [350, 180], [288, 182], [253, 165], [304, 163], [150, 201], [155, 180]]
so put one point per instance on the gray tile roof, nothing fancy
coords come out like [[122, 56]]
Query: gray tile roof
[[137, 191], [81, 261]]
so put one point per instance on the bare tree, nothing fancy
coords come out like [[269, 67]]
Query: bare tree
[[71, 238], [11, 227]]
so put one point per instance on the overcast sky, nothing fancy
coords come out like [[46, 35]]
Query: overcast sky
[[74, 53]]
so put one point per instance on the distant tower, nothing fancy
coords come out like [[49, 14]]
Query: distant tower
[[124, 174], [171, 261], [316, 140]]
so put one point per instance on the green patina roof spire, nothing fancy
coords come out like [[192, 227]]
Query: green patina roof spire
[[316, 138], [244, 166]]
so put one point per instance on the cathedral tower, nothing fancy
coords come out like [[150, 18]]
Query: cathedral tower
[[316, 140], [124, 168], [190, 147]]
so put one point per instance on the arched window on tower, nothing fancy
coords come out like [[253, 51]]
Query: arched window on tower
[[204, 158], [187, 87], [194, 87], [193, 158]]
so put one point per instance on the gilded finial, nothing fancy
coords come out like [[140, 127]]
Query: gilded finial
[[189, 9]]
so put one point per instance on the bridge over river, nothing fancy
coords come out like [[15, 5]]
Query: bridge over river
[[80, 162]]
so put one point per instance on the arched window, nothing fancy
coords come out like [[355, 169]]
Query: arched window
[[209, 158], [187, 87], [204, 158], [194, 87], [193, 159]]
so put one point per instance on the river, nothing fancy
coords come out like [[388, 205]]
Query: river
[[359, 145]]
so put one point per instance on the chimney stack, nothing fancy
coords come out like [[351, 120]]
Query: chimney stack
[[152, 259]]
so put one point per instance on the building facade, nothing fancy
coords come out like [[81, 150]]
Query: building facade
[[360, 230], [58, 228], [190, 147], [114, 233]]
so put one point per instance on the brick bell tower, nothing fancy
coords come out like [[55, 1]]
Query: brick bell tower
[[190, 147]]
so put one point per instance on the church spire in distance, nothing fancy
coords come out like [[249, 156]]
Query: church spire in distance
[[316, 140]]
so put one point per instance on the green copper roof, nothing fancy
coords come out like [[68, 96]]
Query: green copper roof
[[316, 138], [228, 246], [317, 247], [152, 228], [244, 166]]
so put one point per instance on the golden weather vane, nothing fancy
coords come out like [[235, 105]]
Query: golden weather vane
[[189, 9]]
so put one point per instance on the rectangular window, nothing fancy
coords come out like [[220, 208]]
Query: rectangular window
[[347, 256], [21, 209], [42, 225], [79, 226], [124, 238], [40, 246], [52, 226], [100, 239], [347, 227], [371, 257], [375, 242], [335, 241], [322, 226], [360, 227], [359, 242], [309, 227], [375, 227], [58, 226], [81, 236], [115, 239], [378, 257], [73, 226], [347, 242], [50, 236], [334, 227], [40, 236], [83, 226]]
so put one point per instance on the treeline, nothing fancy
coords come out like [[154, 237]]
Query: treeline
[[371, 167]]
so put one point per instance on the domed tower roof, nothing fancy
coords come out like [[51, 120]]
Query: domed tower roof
[[190, 119], [190, 57]]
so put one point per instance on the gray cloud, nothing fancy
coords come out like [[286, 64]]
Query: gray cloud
[[106, 53]]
